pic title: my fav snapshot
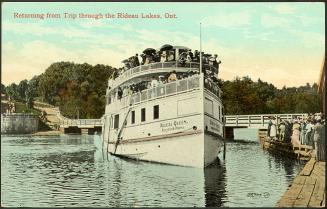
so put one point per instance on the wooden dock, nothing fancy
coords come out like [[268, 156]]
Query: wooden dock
[[302, 152], [308, 188]]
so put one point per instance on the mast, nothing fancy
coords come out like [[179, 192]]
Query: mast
[[200, 50]]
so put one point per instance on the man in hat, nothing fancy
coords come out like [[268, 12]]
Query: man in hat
[[216, 64], [196, 56]]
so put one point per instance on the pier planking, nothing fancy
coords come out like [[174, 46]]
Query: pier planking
[[308, 188]]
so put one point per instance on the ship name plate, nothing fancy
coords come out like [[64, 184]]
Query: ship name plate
[[173, 125]]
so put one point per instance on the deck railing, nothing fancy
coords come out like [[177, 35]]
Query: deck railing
[[155, 66], [162, 90]]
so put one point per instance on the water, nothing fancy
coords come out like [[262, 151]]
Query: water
[[71, 171]]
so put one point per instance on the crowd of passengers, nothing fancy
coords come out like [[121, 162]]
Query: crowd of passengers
[[168, 54], [298, 131], [154, 82]]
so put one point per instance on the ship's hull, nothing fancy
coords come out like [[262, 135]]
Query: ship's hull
[[183, 126], [192, 148]]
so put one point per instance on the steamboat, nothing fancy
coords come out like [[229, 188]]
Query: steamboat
[[165, 108]]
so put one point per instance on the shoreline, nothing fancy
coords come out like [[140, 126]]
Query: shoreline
[[46, 133]]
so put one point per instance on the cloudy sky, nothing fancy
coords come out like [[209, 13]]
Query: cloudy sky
[[281, 43]]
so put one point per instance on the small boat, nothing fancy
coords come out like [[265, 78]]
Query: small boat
[[165, 111]]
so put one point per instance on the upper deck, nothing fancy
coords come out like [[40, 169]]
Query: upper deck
[[169, 58], [158, 67], [164, 90]]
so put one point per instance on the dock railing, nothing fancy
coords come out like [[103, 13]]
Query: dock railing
[[257, 120], [77, 122]]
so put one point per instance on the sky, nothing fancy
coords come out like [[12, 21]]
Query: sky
[[281, 43]]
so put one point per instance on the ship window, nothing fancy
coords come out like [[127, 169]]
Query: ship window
[[208, 106], [142, 114], [156, 112], [219, 111], [133, 117], [116, 121], [109, 99]]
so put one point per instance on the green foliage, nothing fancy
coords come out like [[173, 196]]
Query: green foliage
[[21, 108], [78, 89], [12, 92], [243, 96], [3, 89]]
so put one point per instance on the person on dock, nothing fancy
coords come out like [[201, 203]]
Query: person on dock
[[296, 133], [308, 131], [281, 130], [269, 126], [273, 129], [303, 131], [319, 145], [288, 131]]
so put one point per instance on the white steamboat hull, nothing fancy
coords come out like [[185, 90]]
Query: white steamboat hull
[[194, 149]]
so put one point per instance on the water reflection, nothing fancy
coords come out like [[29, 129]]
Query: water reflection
[[72, 170], [215, 184]]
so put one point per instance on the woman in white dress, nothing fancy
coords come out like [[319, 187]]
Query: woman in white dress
[[273, 129]]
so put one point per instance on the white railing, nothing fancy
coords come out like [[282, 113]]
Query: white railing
[[155, 66], [257, 120], [81, 122], [77, 122], [163, 90]]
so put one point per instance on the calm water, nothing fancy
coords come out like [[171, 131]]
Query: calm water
[[72, 171]]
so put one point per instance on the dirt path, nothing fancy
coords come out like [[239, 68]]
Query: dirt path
[[51, 112]]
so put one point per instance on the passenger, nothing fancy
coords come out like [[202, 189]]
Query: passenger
[[136, 60], [182, 58], [154, 82], [126, 66], [171, 56], [172, 76], [156, 57], [196, 56], [161, 80], [119, 93], [148, 59], [296, 133], [125, 91], [143, 59], [163, 56], [216, 64], [190, 54], [131, 62]]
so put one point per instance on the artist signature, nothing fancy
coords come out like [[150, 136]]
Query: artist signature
[[254, 194]]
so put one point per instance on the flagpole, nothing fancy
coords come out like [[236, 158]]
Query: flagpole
[[200, 50]]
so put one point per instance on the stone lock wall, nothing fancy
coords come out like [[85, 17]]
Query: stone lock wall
[[19, 123]]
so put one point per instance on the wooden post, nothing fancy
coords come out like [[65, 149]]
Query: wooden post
[[224, 156], [224, 134]]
